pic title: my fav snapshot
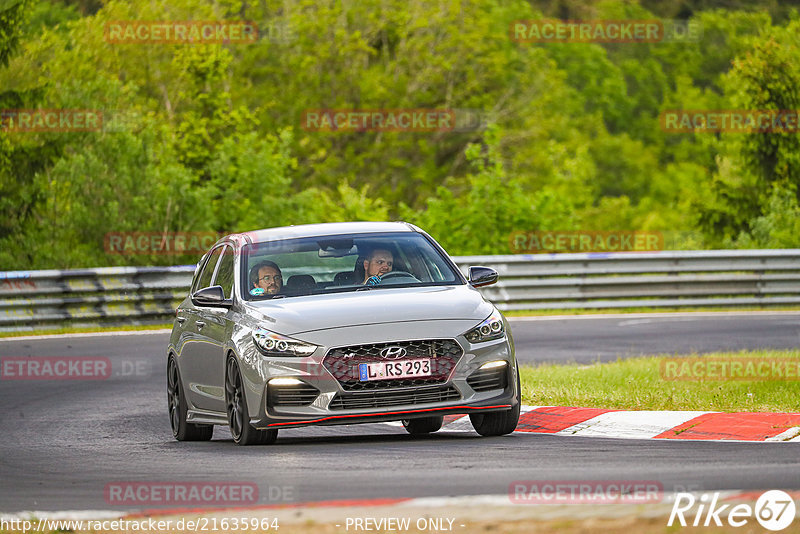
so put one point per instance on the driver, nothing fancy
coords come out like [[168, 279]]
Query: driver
[[377, 264], [266, 276]]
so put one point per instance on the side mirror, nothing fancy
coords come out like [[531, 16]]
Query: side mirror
[[482, 276], [212, 296]]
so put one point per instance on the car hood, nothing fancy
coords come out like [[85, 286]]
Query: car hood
[[296, 315]]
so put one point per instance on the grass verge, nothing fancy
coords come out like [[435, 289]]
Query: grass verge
[[84, 329], [639, 384]]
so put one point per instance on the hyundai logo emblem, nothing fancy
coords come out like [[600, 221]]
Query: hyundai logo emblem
[[393, 353]]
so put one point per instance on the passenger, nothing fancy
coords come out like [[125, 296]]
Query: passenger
[[377, 264], [267, 277]]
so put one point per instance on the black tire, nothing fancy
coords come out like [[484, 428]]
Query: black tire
[[498, 423], [176, 402], [423, 425], [238, 416]]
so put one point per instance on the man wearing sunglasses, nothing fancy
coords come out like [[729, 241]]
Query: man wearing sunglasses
[[267, 276]]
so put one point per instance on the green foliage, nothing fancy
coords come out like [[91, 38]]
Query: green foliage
[[350, 204], [251, 173], [779, 227], [21, 157], [766, 78], [208, 137], [12, 16], [482, 218]]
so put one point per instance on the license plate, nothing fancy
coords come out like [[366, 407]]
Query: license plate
[[393, 370]]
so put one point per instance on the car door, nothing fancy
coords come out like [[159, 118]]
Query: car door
[[186, 329], [192, 353], [213, 325]]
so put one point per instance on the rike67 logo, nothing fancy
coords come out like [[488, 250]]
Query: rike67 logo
[[774, 510]]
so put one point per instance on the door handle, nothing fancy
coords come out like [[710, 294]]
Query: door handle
[[181, 320], [200, 324]]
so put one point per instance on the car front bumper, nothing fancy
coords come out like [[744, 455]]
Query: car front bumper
[[335, 405]]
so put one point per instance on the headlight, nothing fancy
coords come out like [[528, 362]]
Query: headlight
[[272, 344], [491, 328]]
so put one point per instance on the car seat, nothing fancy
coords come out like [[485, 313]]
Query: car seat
[[301, 282]]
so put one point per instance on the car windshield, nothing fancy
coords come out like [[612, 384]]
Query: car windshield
[[306, 266]]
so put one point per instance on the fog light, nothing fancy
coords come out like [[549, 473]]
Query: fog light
[[494, 365], [285, 381]]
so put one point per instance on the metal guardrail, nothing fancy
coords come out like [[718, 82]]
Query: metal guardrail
[[644, 279], [131, 295], [88, 297]]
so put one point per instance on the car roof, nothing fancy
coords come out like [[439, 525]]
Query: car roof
[[326, 229]]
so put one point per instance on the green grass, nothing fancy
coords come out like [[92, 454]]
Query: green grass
[[643, 309], [637, 384], [85, 329]]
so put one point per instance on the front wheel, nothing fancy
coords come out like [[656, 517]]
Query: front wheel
[[498, 423], [181, 429], [423, 425], [238, 416]]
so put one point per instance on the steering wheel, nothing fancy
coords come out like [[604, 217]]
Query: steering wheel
[[398, 274]]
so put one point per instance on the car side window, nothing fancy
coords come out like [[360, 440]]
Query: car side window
[[224, 276], [208, 270]]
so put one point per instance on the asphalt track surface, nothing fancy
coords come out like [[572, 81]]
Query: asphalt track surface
[[64, 441]]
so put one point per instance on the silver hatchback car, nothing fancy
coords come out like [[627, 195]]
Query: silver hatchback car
[[337, 323]]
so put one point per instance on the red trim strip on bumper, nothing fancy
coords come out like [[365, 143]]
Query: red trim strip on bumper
[[311, 421]]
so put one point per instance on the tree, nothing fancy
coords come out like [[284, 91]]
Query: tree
[[482, 219], [761, 164]]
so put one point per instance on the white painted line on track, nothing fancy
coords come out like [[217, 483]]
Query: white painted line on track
[[462, 424], [643, 424], [638, 424], [787, 435]]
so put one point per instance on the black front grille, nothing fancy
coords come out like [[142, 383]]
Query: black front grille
[[300, 395], [484, 380], [383, 399], [342, 362]]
